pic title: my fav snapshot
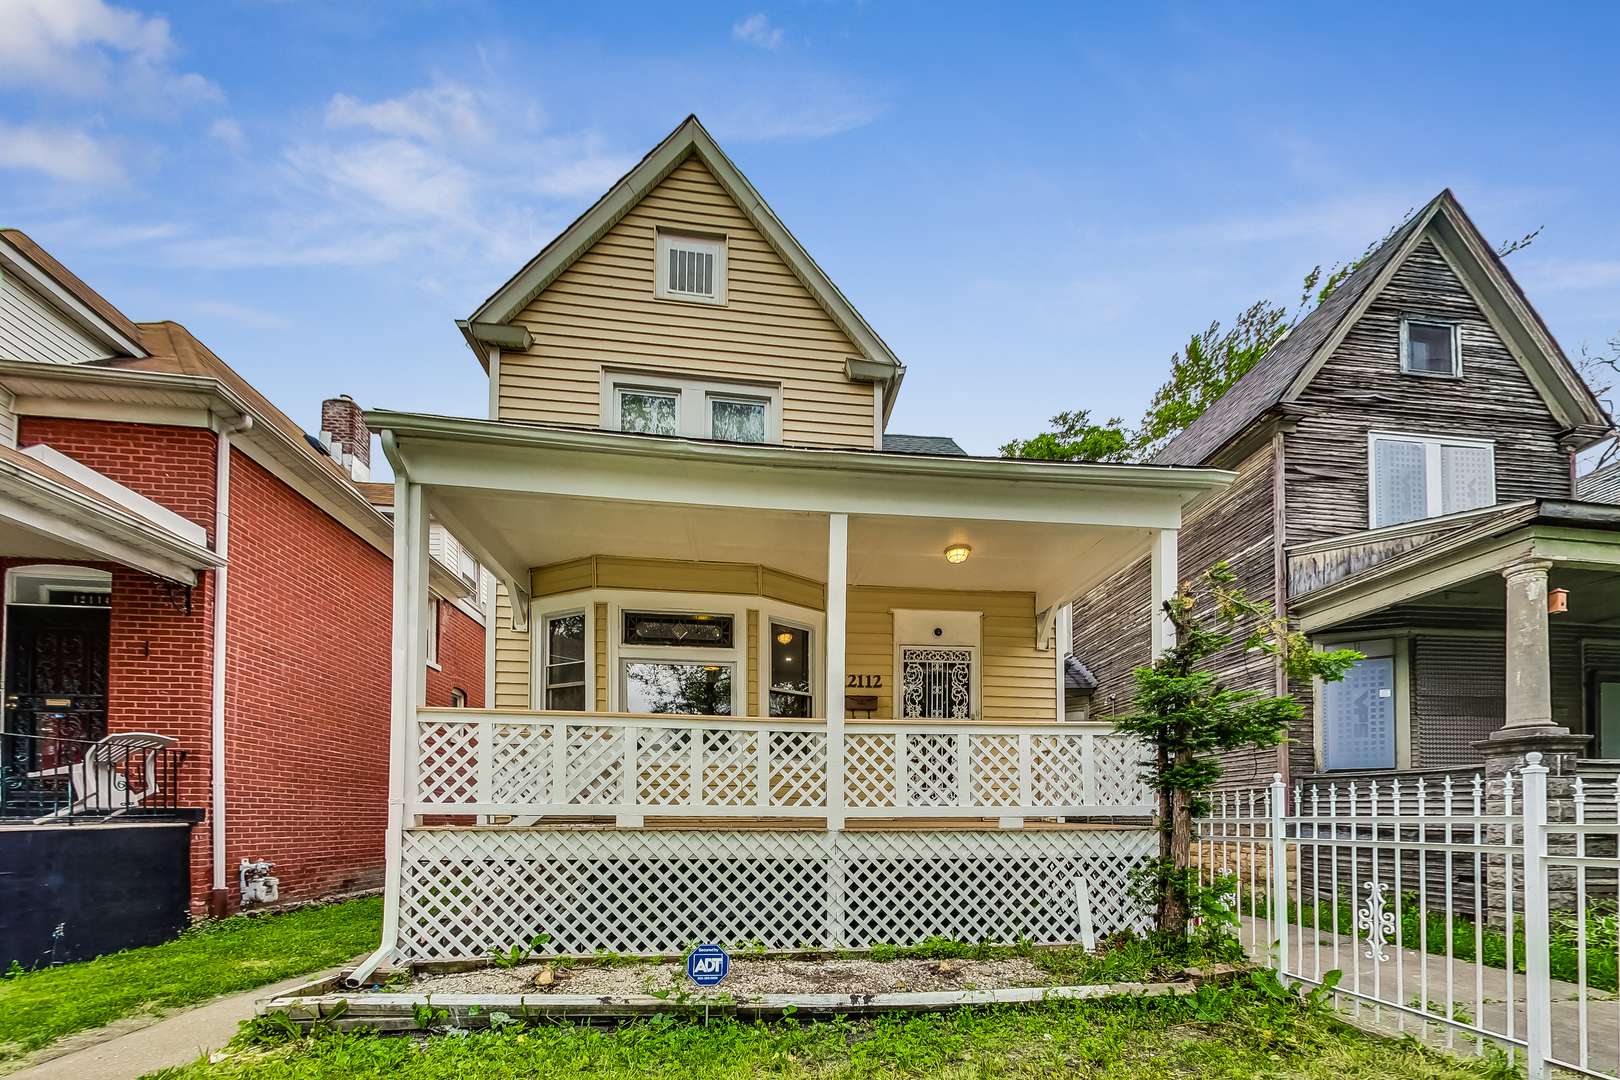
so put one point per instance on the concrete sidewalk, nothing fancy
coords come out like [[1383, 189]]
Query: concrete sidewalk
[[135, 1046]]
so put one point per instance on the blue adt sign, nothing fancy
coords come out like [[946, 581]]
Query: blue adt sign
[[707, 965]]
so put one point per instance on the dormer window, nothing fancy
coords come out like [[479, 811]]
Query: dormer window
[[1430, 348], [691, 268]]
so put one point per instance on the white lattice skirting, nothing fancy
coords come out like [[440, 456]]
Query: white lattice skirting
[[465, 892]]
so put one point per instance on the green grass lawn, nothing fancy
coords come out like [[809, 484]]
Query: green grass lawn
[[239, 953], [1250, 1030]]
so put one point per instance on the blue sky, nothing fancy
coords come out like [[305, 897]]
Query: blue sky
[[1035, 205]]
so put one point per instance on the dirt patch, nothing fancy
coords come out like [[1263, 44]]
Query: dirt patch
[[748, 978]]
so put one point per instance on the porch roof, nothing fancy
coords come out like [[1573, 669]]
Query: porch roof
[[1335, 581], [524, 495]]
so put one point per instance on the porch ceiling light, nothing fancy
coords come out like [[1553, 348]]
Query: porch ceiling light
[[957, 552]]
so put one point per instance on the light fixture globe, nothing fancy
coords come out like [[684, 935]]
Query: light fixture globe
[[957, 552]]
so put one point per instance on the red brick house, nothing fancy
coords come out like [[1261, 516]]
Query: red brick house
[[181, 559]]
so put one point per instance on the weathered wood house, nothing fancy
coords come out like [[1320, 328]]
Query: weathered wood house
[[1405, 460]]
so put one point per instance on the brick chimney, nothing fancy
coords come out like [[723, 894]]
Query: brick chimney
[[346, 437]]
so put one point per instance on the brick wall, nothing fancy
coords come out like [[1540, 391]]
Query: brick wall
[[461, 656], [307, 691]]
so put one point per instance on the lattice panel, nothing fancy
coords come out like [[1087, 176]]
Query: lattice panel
[[447, 763], [520, 763], [995, 769], [798, 763], [664, 766], [464, 892], [595, 765], [1057, 769], [1118, 768], [931, 770], [730, 767], [869, 770]]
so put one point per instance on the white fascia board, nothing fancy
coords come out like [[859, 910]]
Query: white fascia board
[[36, 503], [13, 261], [450, 453], [130, 500]]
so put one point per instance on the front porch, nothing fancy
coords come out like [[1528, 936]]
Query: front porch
[[761, 693]]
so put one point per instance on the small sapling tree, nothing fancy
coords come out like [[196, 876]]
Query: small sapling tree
[[1188, 718]]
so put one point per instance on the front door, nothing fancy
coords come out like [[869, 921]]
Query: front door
[[56, 682]]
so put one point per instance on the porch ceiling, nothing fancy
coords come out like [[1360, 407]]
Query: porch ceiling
[[1050, 559]]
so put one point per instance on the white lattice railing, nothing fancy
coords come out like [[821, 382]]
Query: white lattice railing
[[531, 764]]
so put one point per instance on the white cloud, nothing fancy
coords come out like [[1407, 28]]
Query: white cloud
[[395, 175], [237, 313], [228, 131], [757, 30], [88, 49], [65, 153], [446, 112]]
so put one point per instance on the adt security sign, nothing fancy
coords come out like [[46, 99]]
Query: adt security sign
[[707, 965]]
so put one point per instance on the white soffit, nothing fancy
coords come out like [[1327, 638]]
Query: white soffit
[[130, 500]]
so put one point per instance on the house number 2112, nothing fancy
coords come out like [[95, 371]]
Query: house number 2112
[[864, 682]]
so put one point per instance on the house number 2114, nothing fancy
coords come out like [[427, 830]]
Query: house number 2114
[[864, 682]]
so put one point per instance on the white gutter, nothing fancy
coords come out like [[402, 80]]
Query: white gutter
[[222, 542]]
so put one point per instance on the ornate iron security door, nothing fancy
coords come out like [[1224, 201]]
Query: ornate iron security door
[[936, 684]]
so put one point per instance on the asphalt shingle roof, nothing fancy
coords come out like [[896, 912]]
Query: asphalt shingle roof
[[921, 444]]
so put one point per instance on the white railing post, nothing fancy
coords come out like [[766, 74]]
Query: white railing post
[[902, 770], [1537, 932], [964, 769], [559, 761], [1279, 871]]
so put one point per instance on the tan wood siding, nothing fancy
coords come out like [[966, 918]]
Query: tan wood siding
[[1361, 389], [679, 576], [601, 312], [512, 657], [601, 621], [1016, 677], [753, 662]]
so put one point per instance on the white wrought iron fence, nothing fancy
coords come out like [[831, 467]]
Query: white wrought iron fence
[[529, 765], [1463, 911]]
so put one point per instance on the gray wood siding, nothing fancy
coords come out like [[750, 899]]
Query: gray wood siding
[[1361, 388]]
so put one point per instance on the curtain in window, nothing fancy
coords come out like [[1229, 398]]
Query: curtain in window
[[1400, 482], [1465, 478], [936, 684]]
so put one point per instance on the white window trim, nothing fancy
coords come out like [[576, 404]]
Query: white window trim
[[692, 400], [543, 652], [1456, 371], [766, 621], [1434, 496], [716, 246], [619, 601]]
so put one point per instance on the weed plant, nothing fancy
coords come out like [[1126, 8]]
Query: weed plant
[[213, 957], [1251, 1029]]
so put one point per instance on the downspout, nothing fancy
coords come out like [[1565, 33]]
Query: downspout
[[219, 895]]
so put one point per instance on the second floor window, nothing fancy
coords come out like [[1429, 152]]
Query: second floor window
[[1419, 476], [673, 405]]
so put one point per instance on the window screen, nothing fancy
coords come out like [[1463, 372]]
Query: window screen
[[1467, 475], [1358, 717], [1429, 348], [1400, 482], [790, 671], [565, 662]]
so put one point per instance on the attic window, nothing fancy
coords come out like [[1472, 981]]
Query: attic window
[[691, 268], [1430, 348]]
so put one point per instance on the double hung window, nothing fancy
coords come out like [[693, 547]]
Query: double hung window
[[697, 680], [790, 672], [655, 404], [565, 662], [1419, 476]]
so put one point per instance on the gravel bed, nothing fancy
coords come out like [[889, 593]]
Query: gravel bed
[[747, 978]]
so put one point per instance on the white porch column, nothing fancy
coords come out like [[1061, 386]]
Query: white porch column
[[409, 690], [1529, 683], [837, 596], [1163, 573]]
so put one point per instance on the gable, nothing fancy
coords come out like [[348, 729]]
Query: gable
[[32, 329], [600, 314], [1360, 388]]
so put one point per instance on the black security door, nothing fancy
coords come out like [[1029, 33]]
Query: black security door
[[56, 682]]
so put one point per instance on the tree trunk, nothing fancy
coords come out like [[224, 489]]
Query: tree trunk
[[1180, 858]]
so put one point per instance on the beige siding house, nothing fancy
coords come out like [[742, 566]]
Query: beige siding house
[[742, 634]]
